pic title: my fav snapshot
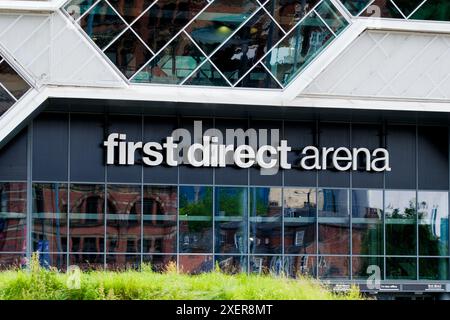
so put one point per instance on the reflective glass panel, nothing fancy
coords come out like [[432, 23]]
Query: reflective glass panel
[[207, 75], [130, 9], [367, 222], [300, 210], [192, 264], [296, 266], [263, 265], [365, 267], [259, 77], [77, 8], [382, 9], [9, 261], [6, 101], [86, 218], [128, 53], [401, 216], [13, 216], [160, 219], [265, 221], [433, 10], [231, 220], [401, 268], [164, 19], [214, 25], [49, 232], [336, 267], [160, 263], [300, 46], [355, 6], [232, 264], [334, 221], [173, 64], [123, 262], [288, 12], [12, 81], [102, 24], [123, 219], [433, 223], [247, 46], [433, 269], [333, 18], [56, 260], [88, 262], [195, 219]]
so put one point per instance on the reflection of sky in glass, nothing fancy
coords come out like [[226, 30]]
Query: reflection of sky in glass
[[433, 208], [400, 200]]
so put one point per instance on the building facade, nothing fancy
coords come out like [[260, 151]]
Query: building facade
[[356, 78]]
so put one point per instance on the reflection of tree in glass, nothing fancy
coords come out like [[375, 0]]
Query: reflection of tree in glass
[[200, 206]]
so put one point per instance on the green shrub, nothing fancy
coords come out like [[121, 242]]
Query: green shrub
[[39, 283]]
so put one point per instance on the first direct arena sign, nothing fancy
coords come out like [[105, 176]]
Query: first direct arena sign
[[244, 149]]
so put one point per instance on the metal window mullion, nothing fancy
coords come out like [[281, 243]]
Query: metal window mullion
[[69, 129], [142, 196], [274, 20], [324, 22], [399, 10], [86, 12], [350, 208], [384, 128], [317, 138], [417, 197], [29, 232], [7, 91], [105, 205]]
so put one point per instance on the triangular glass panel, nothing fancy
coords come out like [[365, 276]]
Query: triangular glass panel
[[6, 101], [247, 46], [332, 17], [382, 9], [76, 8], [12, 81], [407, 6], [130, 9], [214, 25], [259, 78], [173, 64], [438, 10], [128, 53], [289, 13], [355, 6], [102, 24], [207, 75]]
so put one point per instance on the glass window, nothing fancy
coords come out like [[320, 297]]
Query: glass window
[[50, 147], [128, 53], [299, 48], [193, 264], [401, 216], [160, 263], [401, 268], [123, 262], [433, 10], [160, 219], [289, 13], [247, 46], [13, 217], [12, 81], [88, 261], [13, 158], [195, 219], [433, 269], [49, 231], [165, 19], [365, 267], [300, 211], [383, 9], [367, 222], [214, 25], [335, 267], [232, 264], [355, 6], [265, 221], [332, 17], [123, 219], [231, 216], [102, 24], [130, 9], [433, 223], [207, 75], [6, 101], [334, 221], [77, 8], [86, 218], [10, 261], [263, 265], [296, 266], [259, 77]]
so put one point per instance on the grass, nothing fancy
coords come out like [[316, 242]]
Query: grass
[[37, 283]]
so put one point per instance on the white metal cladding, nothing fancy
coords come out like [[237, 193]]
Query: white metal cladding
[[52, 51], [396, 65]]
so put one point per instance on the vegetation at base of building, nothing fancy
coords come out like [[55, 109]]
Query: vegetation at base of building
[[37, 283]]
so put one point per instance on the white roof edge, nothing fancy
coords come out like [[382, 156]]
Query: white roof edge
[[29, 5]]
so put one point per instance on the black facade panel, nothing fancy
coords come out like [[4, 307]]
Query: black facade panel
[[13, 159], [87, 160], [50, 147], [433, 158], [370, 137], [298, 136], [157, 129], [334, 135], [132, 127], [401, 143]]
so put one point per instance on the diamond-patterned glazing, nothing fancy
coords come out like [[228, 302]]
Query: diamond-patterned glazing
[[12, 86]]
